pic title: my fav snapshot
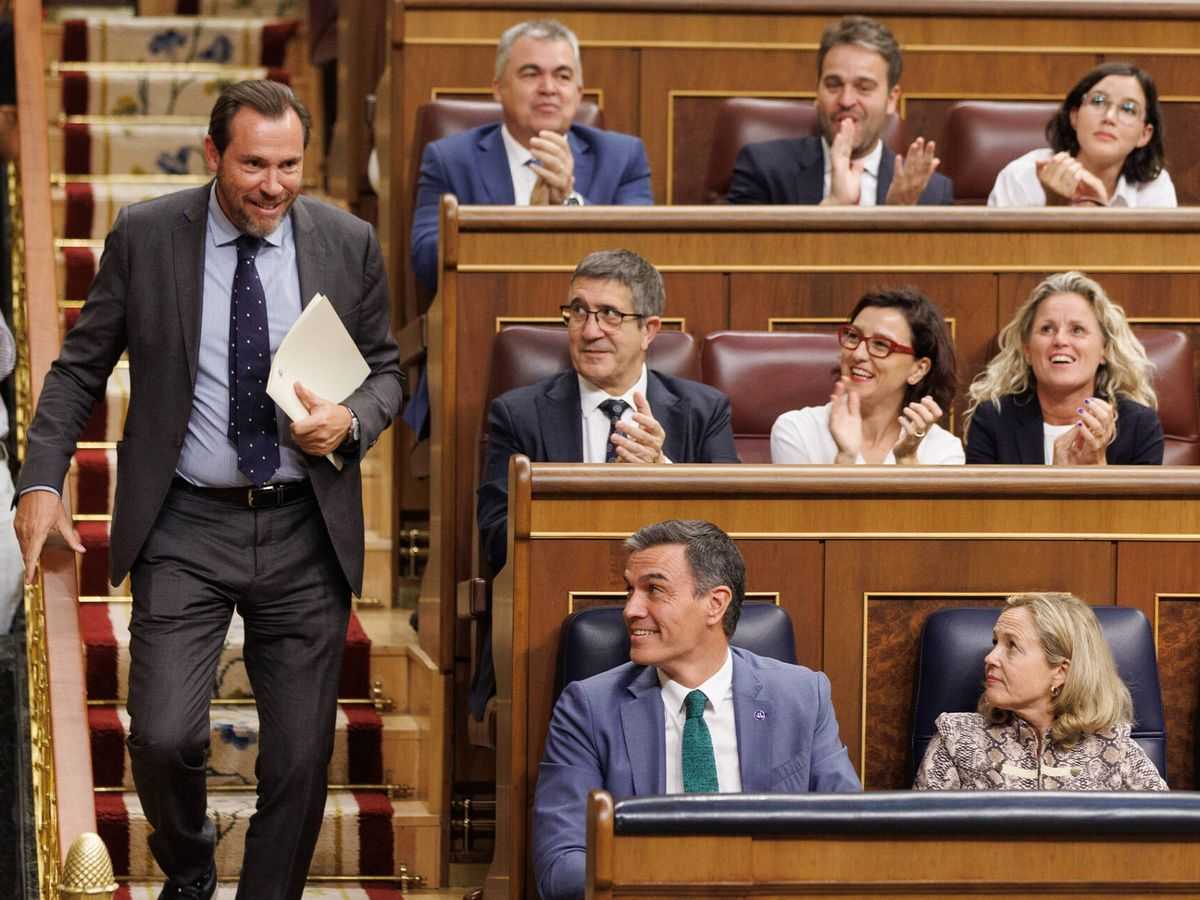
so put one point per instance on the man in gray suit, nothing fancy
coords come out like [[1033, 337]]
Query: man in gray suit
[[220, 503]]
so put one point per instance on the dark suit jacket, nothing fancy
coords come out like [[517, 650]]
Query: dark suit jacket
[[610, 169], [543, 422], [609, 731], [1012, 435], [792, 171], [147, 298]]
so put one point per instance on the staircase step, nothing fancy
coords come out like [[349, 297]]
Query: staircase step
[[75, 267], [77, 89], [360, 834], [360, 736], [128, 148], [92, 479], [86, 208], [228, 891], [241, 42], [263, 8], [105, 632]]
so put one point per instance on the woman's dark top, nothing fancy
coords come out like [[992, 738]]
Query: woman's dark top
[[1014, 436]]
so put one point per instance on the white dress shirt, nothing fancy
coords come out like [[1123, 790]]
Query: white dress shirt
[[1050, 434], [870, 173], [1018, 185], [718, 716], [523, 177], [596, 424], [803, 436]]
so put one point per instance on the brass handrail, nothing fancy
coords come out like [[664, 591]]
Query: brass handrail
[[63, 801]]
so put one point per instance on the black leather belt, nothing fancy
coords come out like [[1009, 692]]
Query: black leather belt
[[265, 497]]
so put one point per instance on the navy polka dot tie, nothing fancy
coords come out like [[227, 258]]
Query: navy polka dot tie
[[252, 427], [614, 408]]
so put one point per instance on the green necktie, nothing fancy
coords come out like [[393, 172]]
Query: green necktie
[[699, 764]]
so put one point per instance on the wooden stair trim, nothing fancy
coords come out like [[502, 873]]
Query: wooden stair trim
[[72, 770]]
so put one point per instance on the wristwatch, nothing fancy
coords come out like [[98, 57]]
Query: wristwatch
[[355, 428], [573, 199]]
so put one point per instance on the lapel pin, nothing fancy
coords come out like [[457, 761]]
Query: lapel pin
[[760, 714]]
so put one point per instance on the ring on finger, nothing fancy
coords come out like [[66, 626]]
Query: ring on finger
[[919, 433]]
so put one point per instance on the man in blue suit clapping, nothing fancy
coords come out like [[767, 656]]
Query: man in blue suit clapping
[[535, 156], [688, 713]]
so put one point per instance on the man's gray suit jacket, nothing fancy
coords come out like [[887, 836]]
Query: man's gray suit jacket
[[146, 299]]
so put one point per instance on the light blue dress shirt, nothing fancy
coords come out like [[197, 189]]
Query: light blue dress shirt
[[207, 457]]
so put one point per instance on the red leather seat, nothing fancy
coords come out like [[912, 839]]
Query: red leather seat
[[765, 374], [752, 120], [981, 137], [524, 354], [1175, 382]]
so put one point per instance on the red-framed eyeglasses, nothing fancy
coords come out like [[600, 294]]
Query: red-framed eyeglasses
[[879, 347]]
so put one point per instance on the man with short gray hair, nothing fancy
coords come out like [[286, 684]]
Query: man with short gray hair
[[687, 713], [609, 407], [535, 156]]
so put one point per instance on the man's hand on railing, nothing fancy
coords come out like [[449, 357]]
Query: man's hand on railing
[[38, 513]]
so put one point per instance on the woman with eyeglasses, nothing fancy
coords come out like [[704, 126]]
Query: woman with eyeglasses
[[1070, 385], [1106, 148], [897, 378]]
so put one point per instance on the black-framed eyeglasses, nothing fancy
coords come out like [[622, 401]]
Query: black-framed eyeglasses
[[576, 316], [879, 347]]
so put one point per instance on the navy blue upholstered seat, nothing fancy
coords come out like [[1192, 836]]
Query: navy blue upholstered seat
[[594, 640], [950, 672]]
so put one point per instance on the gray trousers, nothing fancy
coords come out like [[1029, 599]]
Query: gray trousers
[[204, 558]]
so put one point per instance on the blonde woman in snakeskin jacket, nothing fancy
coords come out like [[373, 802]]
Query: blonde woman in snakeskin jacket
[[1054, 714]]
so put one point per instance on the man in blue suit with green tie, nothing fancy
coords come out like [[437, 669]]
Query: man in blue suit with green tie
[[688, 713]]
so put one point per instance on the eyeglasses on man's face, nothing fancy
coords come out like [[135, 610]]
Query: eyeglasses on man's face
[[879, 347], [1127, 111], [576, 316]]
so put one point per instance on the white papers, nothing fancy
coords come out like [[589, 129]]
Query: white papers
[[320, 354]]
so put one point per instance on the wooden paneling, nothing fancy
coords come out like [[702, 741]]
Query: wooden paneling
[[661, 67], [885, 547], [652, 64], [893, 634], [1163, 580], [730, 267], [729, 862]]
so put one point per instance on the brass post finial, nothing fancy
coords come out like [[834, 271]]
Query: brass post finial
[[88, 872]]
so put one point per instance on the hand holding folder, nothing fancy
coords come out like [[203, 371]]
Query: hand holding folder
[[319, 353]]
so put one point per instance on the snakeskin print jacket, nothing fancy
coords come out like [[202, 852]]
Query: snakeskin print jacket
[[968, 754]]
